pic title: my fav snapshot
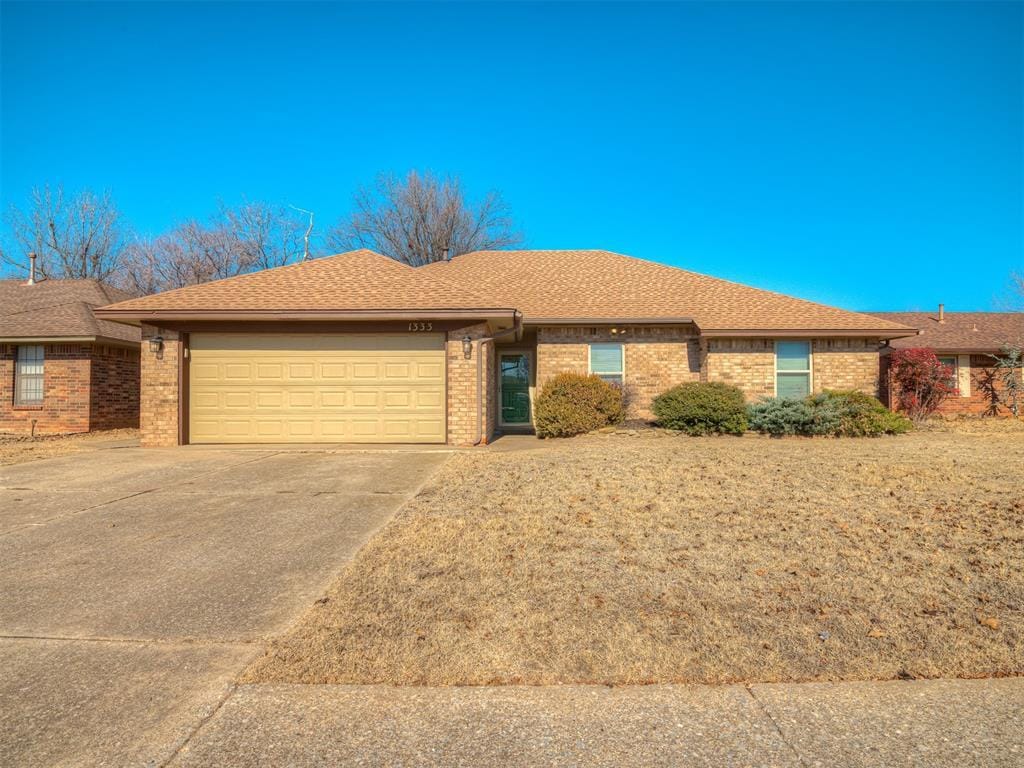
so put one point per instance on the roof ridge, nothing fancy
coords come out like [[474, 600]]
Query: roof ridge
[[50, 306], [701, 275]]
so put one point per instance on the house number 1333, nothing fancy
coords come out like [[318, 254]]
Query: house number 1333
[[421, 326]]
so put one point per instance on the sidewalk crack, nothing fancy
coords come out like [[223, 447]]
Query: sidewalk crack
[[199, 726], [775, 724]]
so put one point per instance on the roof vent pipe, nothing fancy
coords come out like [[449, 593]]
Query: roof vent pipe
[[31, 269], [942, 313]]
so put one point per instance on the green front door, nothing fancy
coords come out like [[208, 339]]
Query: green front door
[[515, 387]]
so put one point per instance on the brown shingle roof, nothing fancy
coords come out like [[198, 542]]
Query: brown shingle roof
[[960, 331], [543, 285], [354, 281], [59, 309], [602, 284]]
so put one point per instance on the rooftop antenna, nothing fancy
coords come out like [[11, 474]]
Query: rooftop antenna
[[305, 253]]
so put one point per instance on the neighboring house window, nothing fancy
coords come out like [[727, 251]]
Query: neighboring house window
[[28, 376], [606, 361], [951, 363], [792, 368]]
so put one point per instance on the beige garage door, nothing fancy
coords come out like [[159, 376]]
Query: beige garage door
[[313, 388]]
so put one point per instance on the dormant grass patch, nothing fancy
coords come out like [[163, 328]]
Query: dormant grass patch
[[619, 560], [18, 448]]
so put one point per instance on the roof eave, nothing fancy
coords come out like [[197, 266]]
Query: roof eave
[[36, 338], [97, 339], [608, 321], [874, 333], [150, 316]]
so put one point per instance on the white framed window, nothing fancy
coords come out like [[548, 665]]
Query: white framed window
[[959, 372], [950, 361], [792, 369], [28, 375], [607, 360]]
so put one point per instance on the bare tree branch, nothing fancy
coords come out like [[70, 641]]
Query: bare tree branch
[[237, 240], [77, 237], [415, 219]]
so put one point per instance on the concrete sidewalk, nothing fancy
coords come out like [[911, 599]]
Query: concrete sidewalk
[[922, 723]]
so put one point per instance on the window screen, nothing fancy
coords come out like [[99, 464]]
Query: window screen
[[28, 376], [606, 362], [792, 368]]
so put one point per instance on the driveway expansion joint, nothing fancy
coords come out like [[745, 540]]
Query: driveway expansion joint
[[778, 729], [199, 726], [46, 521]]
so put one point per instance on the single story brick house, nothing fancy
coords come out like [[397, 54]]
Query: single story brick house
[[360, 348], [964, 341], [61, 369]]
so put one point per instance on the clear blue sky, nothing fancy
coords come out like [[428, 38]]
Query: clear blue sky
[[867, 155]]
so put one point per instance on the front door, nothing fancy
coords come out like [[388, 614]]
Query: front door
[[515, 387]]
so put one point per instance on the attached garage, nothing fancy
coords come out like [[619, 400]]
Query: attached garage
[[316, 388]]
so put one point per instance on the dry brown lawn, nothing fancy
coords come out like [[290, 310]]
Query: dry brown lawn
[[612, 559], [15, 449]]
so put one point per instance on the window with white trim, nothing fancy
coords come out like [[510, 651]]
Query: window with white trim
[[606, 360], [953, 366], [792, 369], [28, 375]]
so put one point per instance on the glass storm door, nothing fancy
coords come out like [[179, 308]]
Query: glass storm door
[[515, 387]]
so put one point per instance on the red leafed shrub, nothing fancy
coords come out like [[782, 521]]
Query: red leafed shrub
[[919, 381]]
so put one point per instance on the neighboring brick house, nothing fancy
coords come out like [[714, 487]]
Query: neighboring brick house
[[62, 369], [964, 341], [360, 348]]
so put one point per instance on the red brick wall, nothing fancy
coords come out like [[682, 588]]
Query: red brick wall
[[115, 387], [979, 402], [66, 378]]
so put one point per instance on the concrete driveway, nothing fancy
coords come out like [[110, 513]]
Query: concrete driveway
[[135, 584]]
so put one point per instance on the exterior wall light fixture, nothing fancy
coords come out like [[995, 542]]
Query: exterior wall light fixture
[[467, 347]]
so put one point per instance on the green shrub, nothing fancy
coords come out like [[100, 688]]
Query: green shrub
[[859, 415], [837, 413], [783, 416], [571, 404], [702, 409]]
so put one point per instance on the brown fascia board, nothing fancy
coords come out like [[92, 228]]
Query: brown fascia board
[[888, 333], [110, 341], [139, 316], [608, 321]]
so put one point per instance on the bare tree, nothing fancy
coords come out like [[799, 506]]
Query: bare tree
[[237, 240], [416, 220], [77, 236]]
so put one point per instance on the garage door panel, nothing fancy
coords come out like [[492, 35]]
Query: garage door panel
[[310, 388]]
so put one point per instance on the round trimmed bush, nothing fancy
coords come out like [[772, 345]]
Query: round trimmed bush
[[571, 404], [696, 408]]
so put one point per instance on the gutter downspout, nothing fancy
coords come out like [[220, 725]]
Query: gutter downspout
[[516, 328]]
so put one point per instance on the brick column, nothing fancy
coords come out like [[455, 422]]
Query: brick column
[[462, 386], [158, 414]]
